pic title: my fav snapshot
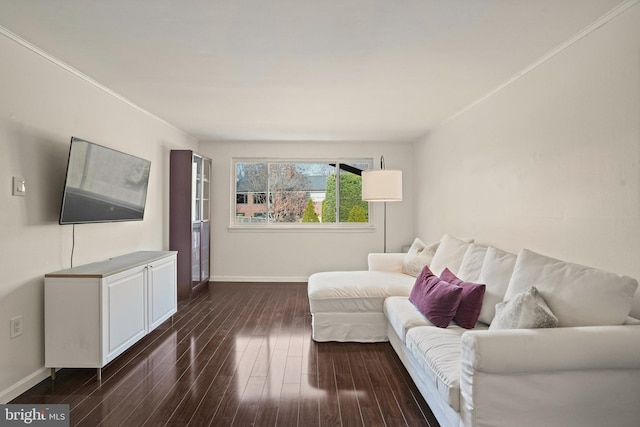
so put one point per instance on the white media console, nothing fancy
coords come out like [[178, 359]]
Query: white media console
[[96, 311]]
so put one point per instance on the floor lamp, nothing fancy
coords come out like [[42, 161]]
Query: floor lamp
[[384, 185]]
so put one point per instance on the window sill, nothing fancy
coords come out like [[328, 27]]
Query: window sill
[[297, 228]]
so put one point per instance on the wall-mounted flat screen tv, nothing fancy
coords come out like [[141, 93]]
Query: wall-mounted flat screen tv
[[103, 185]]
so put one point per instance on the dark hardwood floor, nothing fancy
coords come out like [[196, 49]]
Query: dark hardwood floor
[[241, 354]]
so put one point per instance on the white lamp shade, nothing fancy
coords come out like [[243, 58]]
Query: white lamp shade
[[384, 185]]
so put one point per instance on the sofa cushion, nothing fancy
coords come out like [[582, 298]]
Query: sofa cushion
[[435, 298], [496, 272], [437, 353], [470, 303], [577, 295], [355, 291], [525, 310], [472, 263], [449, 254], [419, 255], [402, 315]]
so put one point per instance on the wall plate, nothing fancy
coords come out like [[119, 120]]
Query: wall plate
[[18, 186], [15, 325]]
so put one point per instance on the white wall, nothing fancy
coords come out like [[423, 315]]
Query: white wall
[[42, 106], [294, 255], [551, 162]]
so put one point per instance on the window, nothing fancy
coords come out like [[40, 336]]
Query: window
[[300, 192], [259, 198]]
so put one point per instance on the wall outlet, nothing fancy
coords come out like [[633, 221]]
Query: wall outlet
[[15, 325]]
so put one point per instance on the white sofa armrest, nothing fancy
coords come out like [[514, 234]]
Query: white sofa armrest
[[391, 262], [587, 376], [535, 350]]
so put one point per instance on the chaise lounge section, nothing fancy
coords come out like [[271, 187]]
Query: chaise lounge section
[[347, 305], [584, 372]]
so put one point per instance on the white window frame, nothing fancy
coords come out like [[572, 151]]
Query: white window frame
[[270, 226]]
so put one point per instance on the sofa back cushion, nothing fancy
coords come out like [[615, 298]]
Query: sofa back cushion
[[436, 299], [495, 274], [449, 254], [472, 263], [577, 295]]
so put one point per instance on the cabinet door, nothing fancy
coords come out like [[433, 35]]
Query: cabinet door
[[124, 309], [162, 290]]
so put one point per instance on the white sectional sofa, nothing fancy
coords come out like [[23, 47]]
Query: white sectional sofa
[[585, 372]]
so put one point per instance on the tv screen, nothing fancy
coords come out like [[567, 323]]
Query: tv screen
[[103, 185]]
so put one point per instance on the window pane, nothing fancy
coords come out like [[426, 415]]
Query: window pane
[[287, 189], [259, 198], [317, 175], [352, 207], [251, 178], [329, 205]]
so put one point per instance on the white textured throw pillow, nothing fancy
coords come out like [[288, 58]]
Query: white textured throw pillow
[[418, 256], [449, 255], [525, 310], [578, 295]]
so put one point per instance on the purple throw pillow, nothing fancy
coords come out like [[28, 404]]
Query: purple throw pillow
[[436, 299], [471, 302], [424, 274]]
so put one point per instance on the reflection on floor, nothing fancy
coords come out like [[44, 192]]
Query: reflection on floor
[[241, 354]]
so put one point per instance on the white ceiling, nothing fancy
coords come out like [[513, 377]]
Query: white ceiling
[[300, 69]]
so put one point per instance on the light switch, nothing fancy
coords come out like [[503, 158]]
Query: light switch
[[19, 188]]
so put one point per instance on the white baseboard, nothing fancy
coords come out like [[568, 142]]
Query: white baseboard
[[259, 279], [10, 393]]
